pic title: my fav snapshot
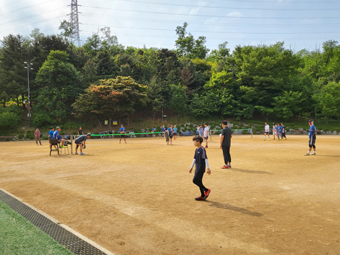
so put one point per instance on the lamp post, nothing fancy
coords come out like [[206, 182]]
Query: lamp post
[[27, 66], [162, 110]]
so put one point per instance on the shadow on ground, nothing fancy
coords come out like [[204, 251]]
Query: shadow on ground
[[234, 208], [249, 171]]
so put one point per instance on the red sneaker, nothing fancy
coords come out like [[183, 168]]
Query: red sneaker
[[229, 166], [206, 147], [206, 194], [224, 167], [200, 198]]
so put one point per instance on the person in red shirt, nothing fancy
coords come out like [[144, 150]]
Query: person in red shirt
[[37, 136]]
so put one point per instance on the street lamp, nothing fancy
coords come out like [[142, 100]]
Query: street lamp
[[27, 66]]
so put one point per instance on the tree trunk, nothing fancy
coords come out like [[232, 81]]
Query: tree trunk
[[100, 124]]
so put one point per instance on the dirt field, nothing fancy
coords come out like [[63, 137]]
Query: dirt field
[[138, 198]]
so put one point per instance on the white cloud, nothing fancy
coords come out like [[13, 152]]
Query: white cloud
[[234, 14]]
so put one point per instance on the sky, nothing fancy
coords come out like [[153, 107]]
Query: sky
[[300, 24]]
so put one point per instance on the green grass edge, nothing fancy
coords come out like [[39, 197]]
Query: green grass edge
[[20, 236]]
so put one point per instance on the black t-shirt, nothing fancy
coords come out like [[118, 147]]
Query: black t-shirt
[[226, 132], [80, 131], [200, 156]]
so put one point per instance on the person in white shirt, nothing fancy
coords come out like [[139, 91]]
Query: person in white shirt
[[274, 130], [206, 134], [266, 131]]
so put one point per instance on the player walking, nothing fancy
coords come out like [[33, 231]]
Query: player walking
[[206, 134], [266, 131], [170, 133], [279, 132], [225, 143], [122, 132], [175, 131], [312, 137], [274, 130], [201, 161], [283, 131]]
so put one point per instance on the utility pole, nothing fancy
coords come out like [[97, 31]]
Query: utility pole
[[27, 66], [75, 21]]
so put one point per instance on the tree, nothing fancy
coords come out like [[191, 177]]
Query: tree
[[60, 85], [187, 46], [13, 77], [155, 96], [287, 104], [328, 100], [117, 97], [178, 99]]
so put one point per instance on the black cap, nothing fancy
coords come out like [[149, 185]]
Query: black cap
[[51, 127]]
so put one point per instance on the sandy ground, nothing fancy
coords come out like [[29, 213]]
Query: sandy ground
[[138, 198]]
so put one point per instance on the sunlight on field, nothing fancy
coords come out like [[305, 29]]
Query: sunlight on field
[[138, 198]]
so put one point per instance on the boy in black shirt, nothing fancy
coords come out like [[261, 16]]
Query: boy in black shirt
[[201, 159], [225, 144]]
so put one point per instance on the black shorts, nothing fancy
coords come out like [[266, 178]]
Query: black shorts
[[122, 136], [170, 136], [311, 142]]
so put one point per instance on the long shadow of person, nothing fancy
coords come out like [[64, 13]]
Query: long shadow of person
[[249, 171], [234, 208]]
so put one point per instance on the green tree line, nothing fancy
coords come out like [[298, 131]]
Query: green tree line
[[105, 80]]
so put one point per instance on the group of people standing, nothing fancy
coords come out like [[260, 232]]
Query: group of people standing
[[278, 131], [169, 133]]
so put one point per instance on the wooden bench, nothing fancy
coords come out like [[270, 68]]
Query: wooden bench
[[6, 137]]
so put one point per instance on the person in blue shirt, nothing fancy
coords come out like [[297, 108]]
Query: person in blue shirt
[[50, 133], [279, 132], [57, 136], [122, 132], [170, 134], [163, 130], [175, 130], [312, 138], [153, 132], [81, 142]]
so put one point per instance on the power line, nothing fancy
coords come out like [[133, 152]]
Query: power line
[[224, 7], [30, 24], [27, 7], [215, 24], [198, 15], [33, 15], [217, 32]]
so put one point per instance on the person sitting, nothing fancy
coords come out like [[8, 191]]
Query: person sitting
[[56, 135]]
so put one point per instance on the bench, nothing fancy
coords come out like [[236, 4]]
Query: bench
[[6, 137]]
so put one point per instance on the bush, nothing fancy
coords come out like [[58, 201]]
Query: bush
[[9, 120], [42, 120], [158, 129], [21, 136]]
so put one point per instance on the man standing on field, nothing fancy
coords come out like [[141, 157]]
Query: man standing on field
[[206, 134], [225, 143], [266, 131], [312, 137]]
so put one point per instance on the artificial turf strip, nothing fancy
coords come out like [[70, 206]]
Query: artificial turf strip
[[19, 236]]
